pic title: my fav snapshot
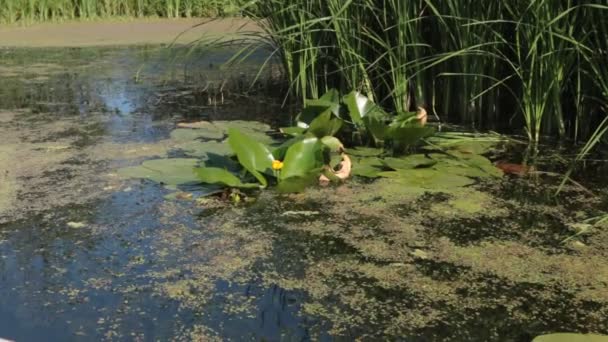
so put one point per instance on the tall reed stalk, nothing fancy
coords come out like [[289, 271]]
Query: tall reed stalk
[[520, 64]]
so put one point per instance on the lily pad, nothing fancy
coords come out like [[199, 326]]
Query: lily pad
[[189, 134], [571, 337], [173, 171], [202, 149], [409, 162], [428, 179], [215, 175]]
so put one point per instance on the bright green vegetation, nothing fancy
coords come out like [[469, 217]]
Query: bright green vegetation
[[314, 148], [44, 10], [536, 66]]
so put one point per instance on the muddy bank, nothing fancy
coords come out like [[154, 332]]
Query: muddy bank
[[113, 33]]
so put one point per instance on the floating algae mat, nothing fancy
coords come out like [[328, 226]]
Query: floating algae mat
[[435, 245]]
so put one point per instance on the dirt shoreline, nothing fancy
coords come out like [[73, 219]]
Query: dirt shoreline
[[111, 33]]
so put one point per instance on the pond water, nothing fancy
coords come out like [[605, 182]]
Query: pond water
[[88, 255]]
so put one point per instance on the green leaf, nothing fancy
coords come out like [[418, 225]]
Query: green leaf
[[571, 337], [428, 179], [299, 183], [367, 167], [365, 151], [334, 144], [408, 162], [409, 135], [254, 156], [172, 172], [302, 157], [215, 175], [325, 125], [365, 113]]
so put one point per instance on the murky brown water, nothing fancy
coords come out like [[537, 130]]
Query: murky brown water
[[86, 255]]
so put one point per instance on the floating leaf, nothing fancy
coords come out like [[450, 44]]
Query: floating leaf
[[254, 156], [408, 162], [188, 134], [365, 152], [299, 183], [428, 179], [409, 135], [174, 171], [214, 175], [571, 337]]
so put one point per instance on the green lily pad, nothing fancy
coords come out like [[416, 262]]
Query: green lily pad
[[172, 172], [215, 175], [475, 166], [201, 149], [465, 142], [409, 162], [365, 152], [571, 337], [428, 179], [189, 134], [256, 130], [367, 167]]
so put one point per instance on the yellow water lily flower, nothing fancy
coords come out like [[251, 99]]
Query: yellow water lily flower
[[277, 165]]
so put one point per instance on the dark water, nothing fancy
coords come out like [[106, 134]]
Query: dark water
[[85, 256]]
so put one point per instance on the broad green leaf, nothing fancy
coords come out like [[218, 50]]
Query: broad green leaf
[[325, 125], [367, 167], [334, 144], [293, 131], [365, 151], [571, 337], [201, 149], [429, 179], [465, 142], [189, 134], [299, 183], [365, 113], [409, 162], [280, 151], [254, 156], [409, 135], [302, 157], [174, 171], [215, 175], [474, 166]]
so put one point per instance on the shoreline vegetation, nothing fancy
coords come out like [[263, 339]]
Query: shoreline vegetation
[[531, 67], [34, 11]]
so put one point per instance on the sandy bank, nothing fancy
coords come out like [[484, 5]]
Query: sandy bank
[[107, 33]]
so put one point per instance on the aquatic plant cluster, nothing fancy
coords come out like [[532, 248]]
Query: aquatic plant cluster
[[43, 10], [537, 66], [232, 156]]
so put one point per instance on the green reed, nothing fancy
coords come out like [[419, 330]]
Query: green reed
[[523, 65]]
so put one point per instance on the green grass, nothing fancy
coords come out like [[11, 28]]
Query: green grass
[[13, 11], [533, 66]]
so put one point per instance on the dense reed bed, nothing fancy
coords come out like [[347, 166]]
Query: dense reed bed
[[536, 66], [44, 10]]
